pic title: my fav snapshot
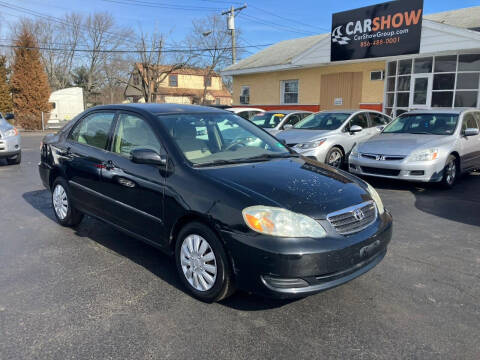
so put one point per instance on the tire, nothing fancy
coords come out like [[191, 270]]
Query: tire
[[450, 172], [65, 213], [15, 160], [197, 239], [335, 157]]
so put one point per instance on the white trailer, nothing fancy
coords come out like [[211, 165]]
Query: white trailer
[[66, 104]]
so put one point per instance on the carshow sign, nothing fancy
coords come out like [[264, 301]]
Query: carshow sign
[[388, 29]]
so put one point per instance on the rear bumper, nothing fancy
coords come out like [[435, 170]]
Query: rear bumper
[[423, 171], [268, 266]]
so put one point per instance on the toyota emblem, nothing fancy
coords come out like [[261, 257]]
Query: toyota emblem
[[358, 215]]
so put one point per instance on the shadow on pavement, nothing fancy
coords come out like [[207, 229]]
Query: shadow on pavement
[[148, 257], [460, 204]]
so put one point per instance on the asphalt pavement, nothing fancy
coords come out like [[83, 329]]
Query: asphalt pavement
[[95, 293]]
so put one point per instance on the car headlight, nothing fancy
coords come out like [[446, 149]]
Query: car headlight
[[310, 145], [354, 152], [281, 222], [11, 132], [376, 198], [424, 155]]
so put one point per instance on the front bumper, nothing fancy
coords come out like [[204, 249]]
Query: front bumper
[[267, 265], [422, 171], [319, 153], [10, 146]]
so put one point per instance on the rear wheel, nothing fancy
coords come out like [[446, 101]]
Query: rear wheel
[[202, 263], [334, 157], [65, 213], [17, 159], [450, 172]]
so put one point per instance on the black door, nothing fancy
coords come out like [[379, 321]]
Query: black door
[[84, 155], [136, 190]]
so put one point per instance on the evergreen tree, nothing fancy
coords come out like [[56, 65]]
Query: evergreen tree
[[29, 83], [6, 105]]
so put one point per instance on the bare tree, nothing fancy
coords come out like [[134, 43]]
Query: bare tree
[[210, 33], [154, 64]]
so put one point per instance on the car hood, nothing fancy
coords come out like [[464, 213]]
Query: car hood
[[301, 185], [401, 144], [5, 125], [295, 136]]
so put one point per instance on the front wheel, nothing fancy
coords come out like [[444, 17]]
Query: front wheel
[[334, 157], [450, 172], [202, 263], [64, 212]]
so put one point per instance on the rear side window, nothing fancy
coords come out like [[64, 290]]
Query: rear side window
[[378, 119], [93, 130], [133, 132]]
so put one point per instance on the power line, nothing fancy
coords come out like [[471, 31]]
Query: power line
[[162, 5], [277, 26]]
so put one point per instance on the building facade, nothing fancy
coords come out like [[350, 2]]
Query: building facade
[[299, 74], [179, 86]]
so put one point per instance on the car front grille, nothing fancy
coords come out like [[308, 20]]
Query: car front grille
[[381, 157], [380, 171], [354, 218]]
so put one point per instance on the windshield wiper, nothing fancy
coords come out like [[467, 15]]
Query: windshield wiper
[[420, 132]]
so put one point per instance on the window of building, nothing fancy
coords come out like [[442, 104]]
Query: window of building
[[245, 95], [173, 80], [423, 65], [376, 75], [136, 79], [207, 81], [289, 91]]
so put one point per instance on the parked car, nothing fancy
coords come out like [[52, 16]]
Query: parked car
[[422, 145], [246, 113], [250, 214], [274, 121], [329, 136], [10, 143]]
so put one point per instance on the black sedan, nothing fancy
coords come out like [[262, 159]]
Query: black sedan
[[234, 206]]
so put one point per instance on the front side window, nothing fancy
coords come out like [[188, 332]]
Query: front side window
[[293, 119], [173, 80], [289, 91], [430, 124], [469, 122], [93, 130], [322, 121], [245, 95], [133, 132], [218, 138], [378, 119], [268, 120], [359, 120]]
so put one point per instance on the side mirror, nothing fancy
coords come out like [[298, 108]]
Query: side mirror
[[9, 116], [287, 126], [355, 129], [148, 156], [283, 141], [471, 132]]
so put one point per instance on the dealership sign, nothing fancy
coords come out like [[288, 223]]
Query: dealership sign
[[387, 29]]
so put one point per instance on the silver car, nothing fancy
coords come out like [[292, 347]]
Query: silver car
[[329, 136], [10, 145], [275, 121], [422, 145]]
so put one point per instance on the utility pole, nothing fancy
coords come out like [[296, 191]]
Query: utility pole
[[231, 27]]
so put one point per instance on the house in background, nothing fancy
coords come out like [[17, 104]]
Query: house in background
[[181, 86]]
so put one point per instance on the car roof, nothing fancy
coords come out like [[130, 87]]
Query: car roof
[[161, 108], [439, 111], [285, 111]]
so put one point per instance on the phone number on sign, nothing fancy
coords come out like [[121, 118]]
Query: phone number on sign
[[379, 42]]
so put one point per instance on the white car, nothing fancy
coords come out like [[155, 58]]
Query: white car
[[245, 112]]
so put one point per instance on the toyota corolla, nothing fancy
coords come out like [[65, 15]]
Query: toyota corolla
[[235, 207]]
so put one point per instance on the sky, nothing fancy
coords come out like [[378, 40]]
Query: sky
[[262, 22]]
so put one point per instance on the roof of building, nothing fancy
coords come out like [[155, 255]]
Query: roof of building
[[192, 92], [180, 71], [283, 52], [280, 53], [468, 18]]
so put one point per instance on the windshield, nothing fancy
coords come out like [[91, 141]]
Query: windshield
[[268, 120], [216, 138], [430, 124], [322, 121]]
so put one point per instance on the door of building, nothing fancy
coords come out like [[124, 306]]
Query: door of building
[[341, 91], [421, 91]]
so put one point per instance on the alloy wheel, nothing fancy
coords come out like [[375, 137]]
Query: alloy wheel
[[60, 201], [451, 170], [335, 158], [198, 262]]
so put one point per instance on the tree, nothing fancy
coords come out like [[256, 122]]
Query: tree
[[29, 82], [210, 33], [6, 105]]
